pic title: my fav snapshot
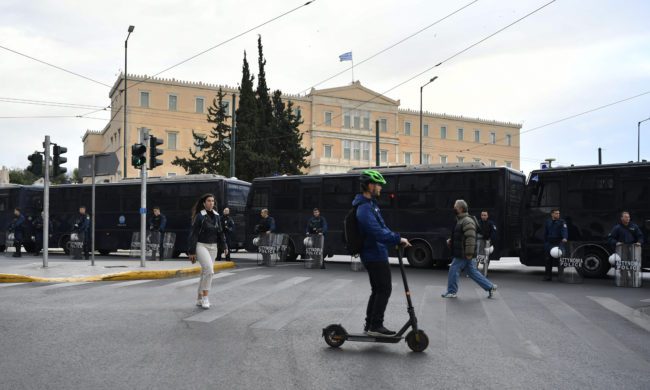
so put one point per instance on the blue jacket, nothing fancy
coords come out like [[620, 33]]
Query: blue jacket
[[376, 235], [627, 235], [316, 225], [17, 227], [81, 224], [554, 233]]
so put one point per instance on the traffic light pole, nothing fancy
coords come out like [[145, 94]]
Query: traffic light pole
[[143, 209], [46, 201]]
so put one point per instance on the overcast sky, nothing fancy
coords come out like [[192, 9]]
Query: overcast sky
[[570, 57]]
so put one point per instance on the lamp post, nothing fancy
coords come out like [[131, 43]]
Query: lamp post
[[421, 88], [638, 139], [124, 164]]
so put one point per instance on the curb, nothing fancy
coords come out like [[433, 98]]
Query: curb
[[128, 275]]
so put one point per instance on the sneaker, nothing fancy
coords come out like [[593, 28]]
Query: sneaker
[[199, 302], [381, 331], [492, 290], [205, 303], [449, 295]]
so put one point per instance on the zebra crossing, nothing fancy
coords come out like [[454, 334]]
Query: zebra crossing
[[345, 297]]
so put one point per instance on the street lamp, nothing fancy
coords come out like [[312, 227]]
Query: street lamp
[[421, 88], [638, 142], [124, 165]]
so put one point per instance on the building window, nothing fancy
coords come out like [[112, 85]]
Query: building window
[[508, 139], [365, 147], [443, 159], [171, 141], [493, 163], [346, 149], [327, 151], [477, 136], [508, 164], [298, 112], [383, 155], [443, 132], [426, 159], [356, 150], [383, 125], [328, 119], [144, 99], [357, 121], [173, 100], [493, 138], [225, 108], [346, 120], [425, 130], [461, 159], [199, 105], [461, 134], [407, 128], [407, 158], [366, 122]]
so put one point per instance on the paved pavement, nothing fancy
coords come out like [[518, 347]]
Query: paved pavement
[[264, 332]]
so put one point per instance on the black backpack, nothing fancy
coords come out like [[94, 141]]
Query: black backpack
[[351, 233]]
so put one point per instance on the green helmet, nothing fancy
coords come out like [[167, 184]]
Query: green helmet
[[372, 176]]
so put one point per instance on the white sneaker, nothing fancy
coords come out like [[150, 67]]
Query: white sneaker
[[199, 302], [205, 303]]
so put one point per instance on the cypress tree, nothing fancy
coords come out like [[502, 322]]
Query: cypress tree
[[288, 138]]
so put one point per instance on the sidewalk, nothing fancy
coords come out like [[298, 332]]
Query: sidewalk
[[62, 269]]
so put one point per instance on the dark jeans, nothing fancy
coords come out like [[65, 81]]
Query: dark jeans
[[548, 266], [381, 287], [221, 247]]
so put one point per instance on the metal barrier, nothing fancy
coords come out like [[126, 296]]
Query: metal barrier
[[570, 263], [271, 248], [314, 244], [627, 263]]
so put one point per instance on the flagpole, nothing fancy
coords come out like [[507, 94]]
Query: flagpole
[[352, 70]]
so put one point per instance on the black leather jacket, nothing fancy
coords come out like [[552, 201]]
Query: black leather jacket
[[206, 229]]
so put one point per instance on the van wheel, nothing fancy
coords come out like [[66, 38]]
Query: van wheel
[[419, 255], [595, 265]]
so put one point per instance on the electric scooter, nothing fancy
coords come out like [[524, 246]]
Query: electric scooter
[[335, 335]]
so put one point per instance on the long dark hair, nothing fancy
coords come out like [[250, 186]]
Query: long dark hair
[[198, 206]]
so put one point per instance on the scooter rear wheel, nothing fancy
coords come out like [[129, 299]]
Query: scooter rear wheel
[[334, 335], [418, 342]]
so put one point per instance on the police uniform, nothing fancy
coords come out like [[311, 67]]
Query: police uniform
[[158, 223], [228, 230], [488, 230], [317, 225], [629, 234], [37, 225], [17, 228], [82, 226], [554, 232]]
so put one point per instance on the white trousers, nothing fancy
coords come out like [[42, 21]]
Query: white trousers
[[205, 254]]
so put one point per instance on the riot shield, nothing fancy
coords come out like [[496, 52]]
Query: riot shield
[[281, 241], [267, 249], [76, 245], [628, 265], [169, 240], [483, 255], [153, 245], [314, 244], [135, 245], [9, 244], [570, 263]]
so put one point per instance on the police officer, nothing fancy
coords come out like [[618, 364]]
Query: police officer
[[82, 226], [555, 234], [625, 232], [228, 231], [38, 224], [266, 223], [317, 225], [158, 223], [17, 227]]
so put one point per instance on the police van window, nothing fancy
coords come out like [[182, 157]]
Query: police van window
[[260, 197], [636, 193], [416, 183], [338, 192], [310, 197], [236, 194], [593, 192], [285, 194], [549, 194]]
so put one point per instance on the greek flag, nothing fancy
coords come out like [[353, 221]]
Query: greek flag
[[346, 56]]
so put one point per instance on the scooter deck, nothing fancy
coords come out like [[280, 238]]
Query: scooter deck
[[373, 339]]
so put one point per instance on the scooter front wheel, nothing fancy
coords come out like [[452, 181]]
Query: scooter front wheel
[[334, 335], [418, 342]]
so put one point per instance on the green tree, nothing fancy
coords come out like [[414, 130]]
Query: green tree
[[76, 178], [288, 138], [21, 176], [213, 152]]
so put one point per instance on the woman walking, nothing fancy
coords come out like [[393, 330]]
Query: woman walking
[[205, 238]]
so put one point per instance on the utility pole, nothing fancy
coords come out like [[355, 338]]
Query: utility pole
[[46, 202], [143, 204]]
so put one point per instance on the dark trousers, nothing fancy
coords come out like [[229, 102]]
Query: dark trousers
[[86, 246], [381, 287], [548, 266], [221, 247], [18, 246]]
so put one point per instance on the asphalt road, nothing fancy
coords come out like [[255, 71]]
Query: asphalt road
[[264, 332]]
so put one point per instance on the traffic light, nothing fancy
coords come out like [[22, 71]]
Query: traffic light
[[36, 167], [138, 155], [57, 160], [154, 152]]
